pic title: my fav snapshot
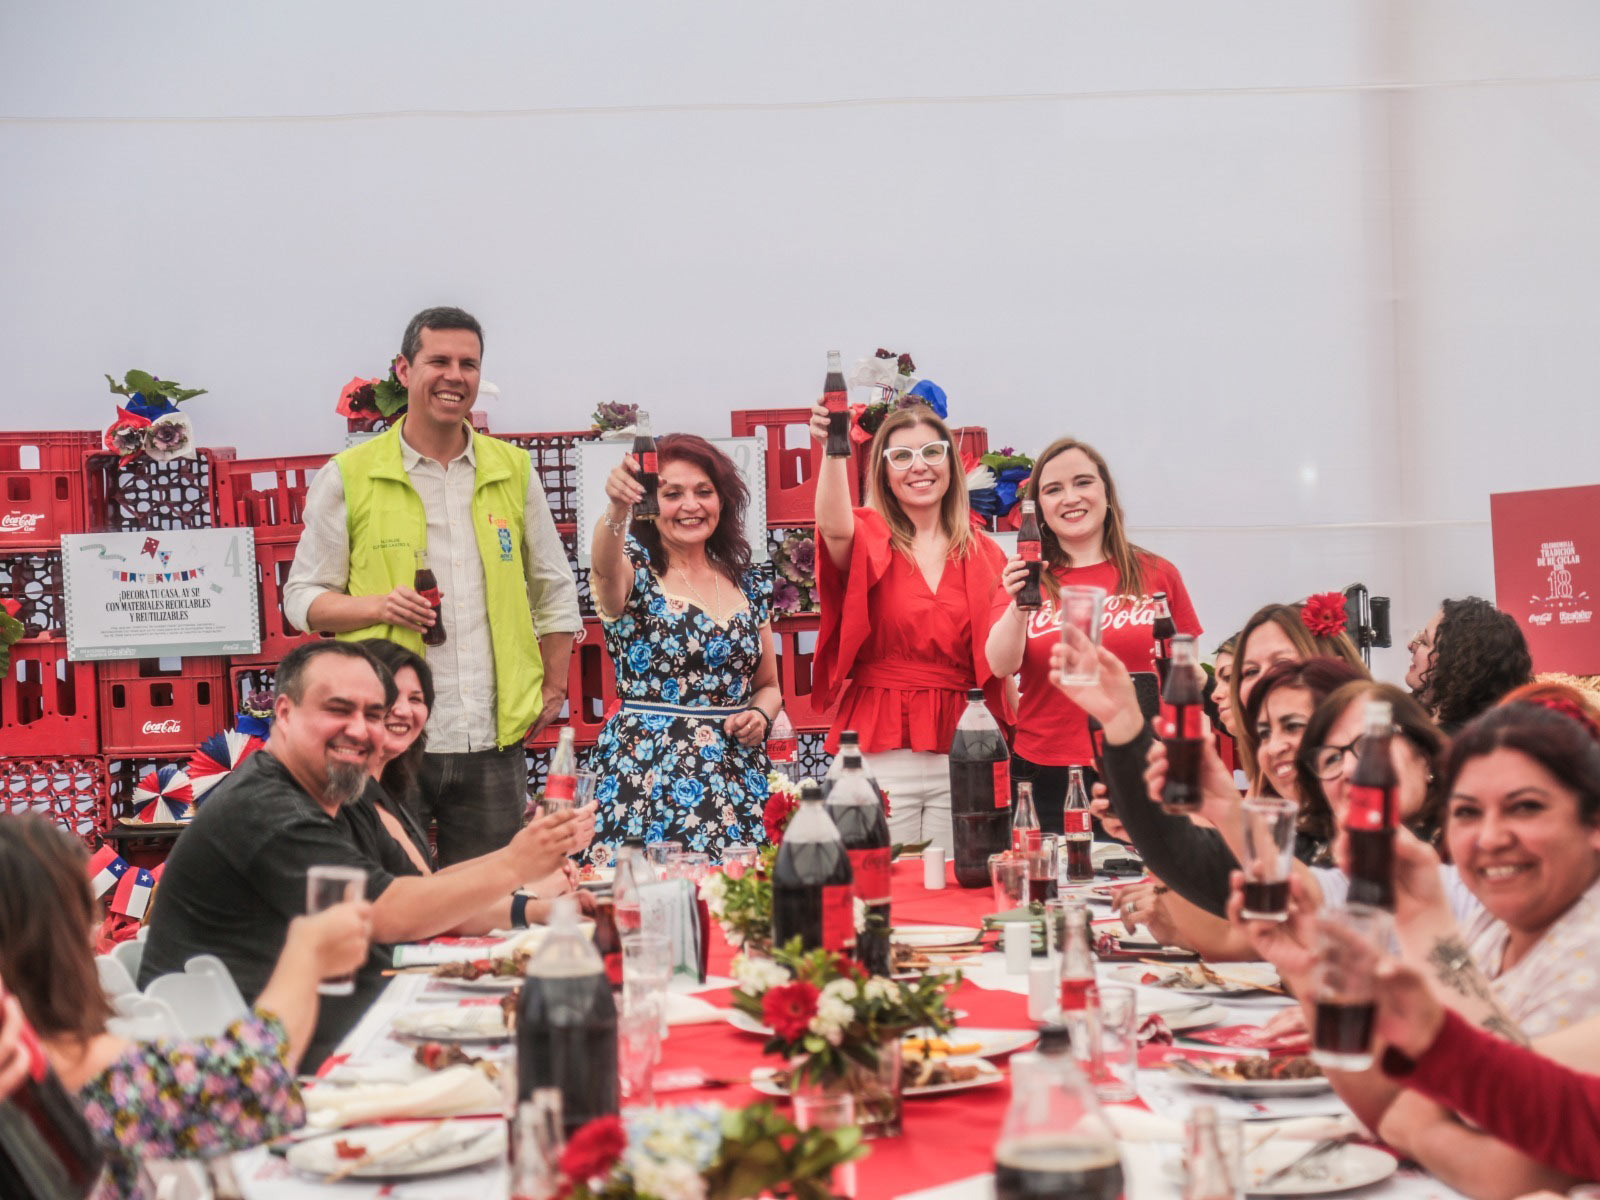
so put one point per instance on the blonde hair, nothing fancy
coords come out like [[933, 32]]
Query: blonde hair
[[954, 512], [1114, 543]]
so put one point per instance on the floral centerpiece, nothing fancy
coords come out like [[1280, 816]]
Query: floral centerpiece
[[794, 564], [151, 423], [837, 1028], [701, 1152], [895, 378], [370, 403], [614, 420], [742, 906]]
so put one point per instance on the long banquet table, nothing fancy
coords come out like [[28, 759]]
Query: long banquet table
[[946, 1149]]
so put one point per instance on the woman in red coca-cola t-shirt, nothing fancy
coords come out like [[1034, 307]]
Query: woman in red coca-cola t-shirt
[[1083, 543]]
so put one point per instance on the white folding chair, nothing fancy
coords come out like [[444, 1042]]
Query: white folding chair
[[114, 978], [205, 1002], [130, 955], [142, 1018]]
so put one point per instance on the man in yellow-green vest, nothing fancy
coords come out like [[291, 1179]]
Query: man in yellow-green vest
[[506, 597]]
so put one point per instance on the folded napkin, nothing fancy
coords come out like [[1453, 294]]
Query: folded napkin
[[691, 1010], [452, 1092], [1134, 1124]]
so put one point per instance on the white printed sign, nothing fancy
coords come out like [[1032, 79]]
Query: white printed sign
[[595, 460], [163, 593]]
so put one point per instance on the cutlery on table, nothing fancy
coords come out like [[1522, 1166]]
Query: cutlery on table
[[372, 1156], [1298, 1165]]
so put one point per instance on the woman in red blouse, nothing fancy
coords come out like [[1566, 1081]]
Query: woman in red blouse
[[1084, 543], [906, 584]]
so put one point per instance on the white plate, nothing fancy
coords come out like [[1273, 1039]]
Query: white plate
[[1339, 1170], [1263, 973], [1256, 1089], [761, 1079], [923, 937], [1104, 851], [991, 1042], [452, 1147], [469, 1023], [483, 983]]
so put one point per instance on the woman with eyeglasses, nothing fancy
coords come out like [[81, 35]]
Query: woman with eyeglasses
[[1083, 543], [906, 585]]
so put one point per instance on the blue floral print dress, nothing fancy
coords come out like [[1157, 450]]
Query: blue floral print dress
[[669, 776]]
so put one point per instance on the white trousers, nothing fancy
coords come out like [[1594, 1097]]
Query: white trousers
[[918, 786]]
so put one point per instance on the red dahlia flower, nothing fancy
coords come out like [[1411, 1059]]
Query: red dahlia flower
[[594, 1149], [1324, 614], [789, 1009]]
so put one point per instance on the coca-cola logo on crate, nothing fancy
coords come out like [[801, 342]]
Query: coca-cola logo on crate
[[15, 522], [170, 725]]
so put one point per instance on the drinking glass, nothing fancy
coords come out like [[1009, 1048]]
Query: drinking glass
[[659, 852], [536, 1145], [1343, 984], [1081, 609], [737, 861], [693, 865], [1042, 881], [817, 1109], [327, 885], [1269, 829], [638, 1048], [646, 972], [1118, 1080], [1229, 1151], [1008, 872]]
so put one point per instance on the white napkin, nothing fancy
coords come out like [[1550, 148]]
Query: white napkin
[[691, 1010], [451, 1092], [1132, 1124]]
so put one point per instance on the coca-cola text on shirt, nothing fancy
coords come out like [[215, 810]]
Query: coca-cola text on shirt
[[1119, 612]]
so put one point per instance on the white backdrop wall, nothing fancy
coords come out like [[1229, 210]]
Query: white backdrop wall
[[1316, 277]]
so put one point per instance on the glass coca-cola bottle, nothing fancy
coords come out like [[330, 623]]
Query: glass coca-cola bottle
[[1183, 710], [1162, 630], [857, 813], [1031, 550], [812, 892], [1077, 833], [783, 745], [427, 587], [1025, 832], [1080, 992], [980, 792], [836, 399], [1055, 1141], [47, 1149], [1372, 812], [648, 506], [561, 781]]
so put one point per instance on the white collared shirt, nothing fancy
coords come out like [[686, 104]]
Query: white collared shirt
[[463, 717]]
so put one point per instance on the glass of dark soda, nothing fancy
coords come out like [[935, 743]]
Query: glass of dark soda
[[1349, 942]]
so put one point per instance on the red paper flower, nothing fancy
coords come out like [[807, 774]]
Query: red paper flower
[[594, 1149], [776, 815], [789, 1009], [13, 607], [125, 437], [1324, 614], [356, 400]]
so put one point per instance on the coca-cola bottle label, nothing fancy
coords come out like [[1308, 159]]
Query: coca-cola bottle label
[[647, 462], [1181, 720], [1027, 839], [1074, 821], [1030, 551], [835, 401], [431, 596], [783, 750], [1002, 783], [838, 916], [1369, 808], [871, 869], [560, 787], [1079, 995]]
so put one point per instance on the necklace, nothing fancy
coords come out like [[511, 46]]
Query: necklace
[[716, 590]]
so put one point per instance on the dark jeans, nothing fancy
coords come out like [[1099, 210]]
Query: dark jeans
[[476, 800], [1049, 789]]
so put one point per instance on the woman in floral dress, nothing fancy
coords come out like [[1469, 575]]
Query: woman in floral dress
[[188, 1098], [688, 624]]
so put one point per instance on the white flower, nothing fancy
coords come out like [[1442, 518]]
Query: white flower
[[756, 974], [881, 989], [833, 1015], [875, 372], [840, 989], [677, 1180], [714, 890]]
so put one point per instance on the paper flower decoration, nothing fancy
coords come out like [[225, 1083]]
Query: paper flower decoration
[[164, 796], [1324, 614], [125, 437], [217, 757], [169, 437]]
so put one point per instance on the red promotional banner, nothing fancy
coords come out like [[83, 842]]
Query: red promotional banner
[[1547, 573]]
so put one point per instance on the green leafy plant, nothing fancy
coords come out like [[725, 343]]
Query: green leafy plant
[[12, 631], [141, 385]]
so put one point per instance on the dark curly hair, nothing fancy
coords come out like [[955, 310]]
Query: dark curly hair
[[1479, 654], [727, 548]]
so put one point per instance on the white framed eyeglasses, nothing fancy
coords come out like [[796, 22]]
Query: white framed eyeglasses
[[932, 453]]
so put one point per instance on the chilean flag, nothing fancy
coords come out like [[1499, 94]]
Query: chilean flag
[[106, 868], [218, 755], [132, 896], [165, 795]]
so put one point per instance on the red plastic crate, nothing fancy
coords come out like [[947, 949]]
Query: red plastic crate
[[33, 578], [591, 690], [267, 494], [556, 464], [72, 791], [47, 704], [796, 646], [971, 439], [278, 637], [41, 485], [144, 494], [152, 706], [791, 460]]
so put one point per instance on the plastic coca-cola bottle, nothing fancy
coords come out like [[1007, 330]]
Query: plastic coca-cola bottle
[[427, 587], [980, 792], [857, 813], [1162, 630], [47, 1149], [1372, 811], [836, 399], [1032, 551], [648, 506], [783, 745], [812, 892], [1183, 708], [1077, 834]]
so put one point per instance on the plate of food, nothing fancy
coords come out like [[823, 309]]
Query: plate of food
[[1202, 979], [962, 1042], [482, 974], [1180, 1012], [401, 1151], [466, 1023], [929, 1077], [1254, 1077], [929, 937]]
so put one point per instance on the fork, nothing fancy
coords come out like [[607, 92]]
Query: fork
[[1299, 1165]]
